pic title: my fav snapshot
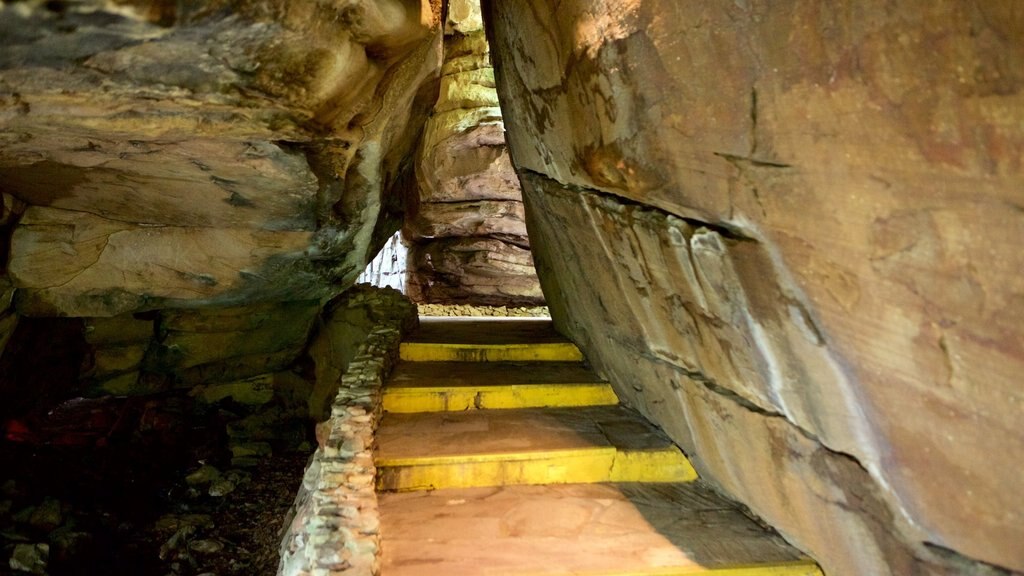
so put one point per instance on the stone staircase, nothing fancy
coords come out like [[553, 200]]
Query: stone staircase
[[501, 453]]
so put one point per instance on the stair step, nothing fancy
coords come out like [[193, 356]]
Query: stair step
[[579, 529], [435, 450], [457, 386], [487, 340]]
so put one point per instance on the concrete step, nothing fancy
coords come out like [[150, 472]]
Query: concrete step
[[487, 340], [434, 450], [458, 386], [579, 529]]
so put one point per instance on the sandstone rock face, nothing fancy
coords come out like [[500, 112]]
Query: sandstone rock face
[[134, 356], [204, 153], [494, 273], [790, 234], [467, 225]]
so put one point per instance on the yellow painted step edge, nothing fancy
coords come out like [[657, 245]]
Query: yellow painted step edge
[[415, 399], [667, 464], [795, 568], [553, 467], [582, 465], [453, 460], [445, 352]]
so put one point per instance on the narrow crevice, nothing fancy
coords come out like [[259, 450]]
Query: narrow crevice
[[755, 162], [966, 563], [725, 392], [753, 121], [712, 386]]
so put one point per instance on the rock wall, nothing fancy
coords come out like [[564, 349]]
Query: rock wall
[[333, 527], [789, 233], [212, 153], [10, 210], [245, 364], [467, 225], [192, 182], [268, 370]]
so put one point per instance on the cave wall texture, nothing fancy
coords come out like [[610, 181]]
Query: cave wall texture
[[466, 224], [221, 152], [790, 233], [185, 185]]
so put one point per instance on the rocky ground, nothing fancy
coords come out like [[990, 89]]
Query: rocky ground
[[112, 487]]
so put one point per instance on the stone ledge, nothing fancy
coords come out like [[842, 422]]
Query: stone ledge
[[332, 529]]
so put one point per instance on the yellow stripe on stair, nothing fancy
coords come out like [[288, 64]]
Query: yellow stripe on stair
[[608, 529], [579, 465], [524, 446], [501, 453], [795, 568], [405, 400], [660, 465], [452, 352]]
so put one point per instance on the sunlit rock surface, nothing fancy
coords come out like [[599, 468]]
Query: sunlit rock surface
[[466, 225], [205, 153], [791, 234]]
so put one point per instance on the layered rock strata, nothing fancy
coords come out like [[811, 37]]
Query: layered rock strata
[[467, 225], [159, 351], [206, 153], [789, 234], [246, 360]]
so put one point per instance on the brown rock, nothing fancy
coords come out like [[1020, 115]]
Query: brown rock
[[464, 17], [234, 368], [123, 384], [464, 158], [474, 271], [347, 321], [468, 191], [232, 333], [217, 153], [504, 220], [112, 360], [78, 264], [820, 239], [323, 433], [467, 89], [266, 317], [117, 330], [464, 52]]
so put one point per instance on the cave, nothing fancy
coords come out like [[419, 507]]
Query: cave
[[773, 248]]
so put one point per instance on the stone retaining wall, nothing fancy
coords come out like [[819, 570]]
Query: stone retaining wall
[[333, 527]]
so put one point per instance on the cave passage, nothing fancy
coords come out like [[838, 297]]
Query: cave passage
[[769, 252]]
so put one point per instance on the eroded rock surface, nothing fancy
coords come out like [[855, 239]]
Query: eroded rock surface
[[206, 153], [798, 228], [10, 210], [483, 270], [467, 225]]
